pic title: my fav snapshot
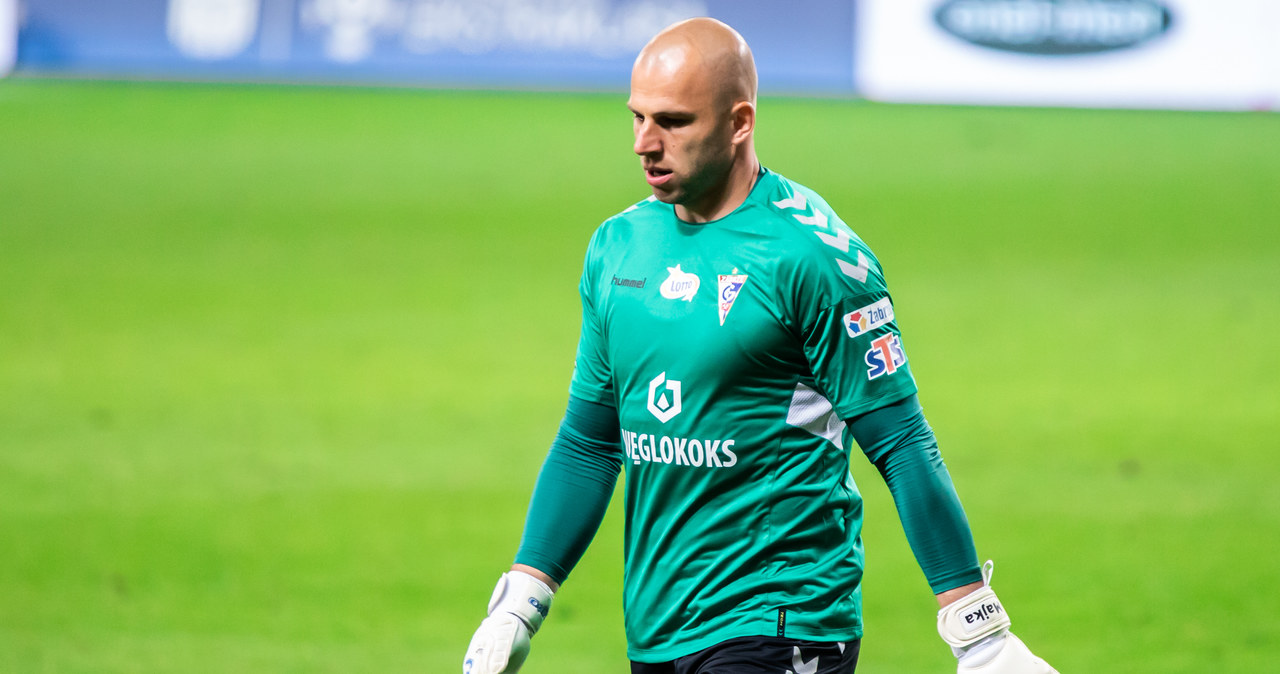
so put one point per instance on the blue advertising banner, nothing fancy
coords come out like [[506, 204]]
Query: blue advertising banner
[[802, 48]]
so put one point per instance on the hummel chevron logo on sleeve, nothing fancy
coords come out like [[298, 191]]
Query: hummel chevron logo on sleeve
[[797, 202], [859, 272], [839, 240], [818, 219]]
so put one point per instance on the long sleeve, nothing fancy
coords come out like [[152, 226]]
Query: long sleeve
[[573, 489], [898, 440]]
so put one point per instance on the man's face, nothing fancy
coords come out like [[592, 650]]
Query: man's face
[[683, 138]]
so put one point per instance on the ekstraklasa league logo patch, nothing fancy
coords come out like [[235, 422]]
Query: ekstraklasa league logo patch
[[730, 286]]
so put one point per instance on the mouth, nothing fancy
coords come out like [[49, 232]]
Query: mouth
[[656, 176]]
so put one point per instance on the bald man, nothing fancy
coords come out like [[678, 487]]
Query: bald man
[[737, 340]]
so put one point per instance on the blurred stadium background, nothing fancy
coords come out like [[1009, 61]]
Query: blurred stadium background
[[279, 363]]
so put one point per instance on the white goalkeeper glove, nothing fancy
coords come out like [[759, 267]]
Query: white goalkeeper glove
[[519, 604], [977, 628]]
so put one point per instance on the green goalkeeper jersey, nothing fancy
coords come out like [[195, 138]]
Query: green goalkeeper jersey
[[732, 351]]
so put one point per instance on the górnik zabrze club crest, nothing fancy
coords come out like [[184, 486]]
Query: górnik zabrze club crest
[[730, 286]]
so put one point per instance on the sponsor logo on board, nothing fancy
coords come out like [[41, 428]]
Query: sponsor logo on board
[[1054, 27]]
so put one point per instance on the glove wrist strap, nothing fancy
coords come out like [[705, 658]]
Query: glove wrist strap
[[523, 596], [974, 617]]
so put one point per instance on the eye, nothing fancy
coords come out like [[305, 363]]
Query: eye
[[672, 121]]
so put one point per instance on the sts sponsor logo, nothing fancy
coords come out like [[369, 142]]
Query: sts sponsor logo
[[869, 317], [885, 356]]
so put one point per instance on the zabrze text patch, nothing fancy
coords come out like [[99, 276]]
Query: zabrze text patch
[[870, 317]]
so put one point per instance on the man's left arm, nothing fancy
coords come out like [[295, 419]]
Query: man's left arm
[[841, 305], [900, 443]]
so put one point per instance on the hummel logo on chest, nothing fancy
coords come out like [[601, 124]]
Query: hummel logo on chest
[[629, 282]]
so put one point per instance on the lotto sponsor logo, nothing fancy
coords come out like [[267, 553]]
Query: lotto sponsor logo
[[675, 451], [680, 284], [870, 317], [885, 356]]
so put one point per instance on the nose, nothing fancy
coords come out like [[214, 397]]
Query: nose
[[647, 142]]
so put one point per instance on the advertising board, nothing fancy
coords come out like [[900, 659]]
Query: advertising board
[[8, 35], [1198, 54], [539, 44]]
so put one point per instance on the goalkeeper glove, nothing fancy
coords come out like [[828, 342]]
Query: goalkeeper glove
[[977, 628], [516, 610]]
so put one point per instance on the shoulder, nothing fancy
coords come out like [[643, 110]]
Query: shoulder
[[800, 215], [623, 231], [643, 211], [823, 252], [792, 194], [620, 227]]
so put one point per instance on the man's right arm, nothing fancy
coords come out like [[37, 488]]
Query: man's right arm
[[568, 504], [573, 489], [542, 577]]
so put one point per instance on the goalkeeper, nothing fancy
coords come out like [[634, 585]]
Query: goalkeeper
[[737, 340]]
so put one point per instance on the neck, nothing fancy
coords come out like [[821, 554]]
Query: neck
[[737, 186]]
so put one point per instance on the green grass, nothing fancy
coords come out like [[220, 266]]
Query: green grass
[[278, 367]]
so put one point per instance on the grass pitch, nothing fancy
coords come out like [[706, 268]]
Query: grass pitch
[[278, 367]]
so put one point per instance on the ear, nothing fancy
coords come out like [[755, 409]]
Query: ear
[[743, 118]]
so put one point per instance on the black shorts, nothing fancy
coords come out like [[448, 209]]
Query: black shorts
[[762, 655]]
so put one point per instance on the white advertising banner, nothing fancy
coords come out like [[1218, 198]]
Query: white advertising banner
[[1193, 54], [8, 35]]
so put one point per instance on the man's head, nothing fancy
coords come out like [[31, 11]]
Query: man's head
[[693, 94]]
